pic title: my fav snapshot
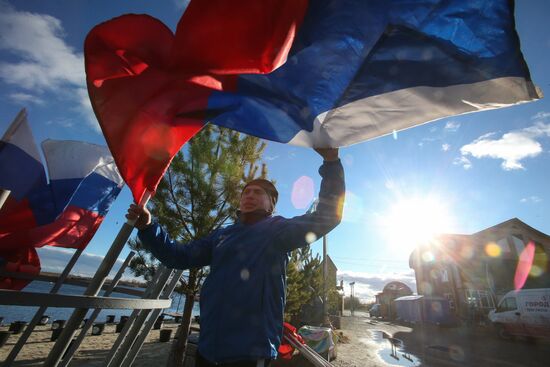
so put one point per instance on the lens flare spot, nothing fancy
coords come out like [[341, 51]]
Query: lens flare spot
[[536, 271], [428, 256], [311, 237], [540, 263], [302, 192], [434, 274], [493, 250], [524, 265], [245, 274]]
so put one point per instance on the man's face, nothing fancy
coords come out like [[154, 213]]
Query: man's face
[[253, 198]]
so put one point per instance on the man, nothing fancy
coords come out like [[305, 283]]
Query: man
[[243, 297]]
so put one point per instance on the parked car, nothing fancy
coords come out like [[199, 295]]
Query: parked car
[[525, 313], [375, 311]]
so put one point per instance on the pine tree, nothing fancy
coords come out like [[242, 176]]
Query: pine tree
[[295, 293], [305, 285], [199, 193], [304, 282]]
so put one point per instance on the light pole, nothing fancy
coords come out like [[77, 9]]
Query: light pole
[[325, 277], [351, 304]]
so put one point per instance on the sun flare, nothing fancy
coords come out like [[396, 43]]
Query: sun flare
[[411, 222]]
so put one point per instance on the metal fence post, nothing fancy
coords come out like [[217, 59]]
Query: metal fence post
[[62, 343], [135, 323], [138, 343], [74, 346], [38, 315]]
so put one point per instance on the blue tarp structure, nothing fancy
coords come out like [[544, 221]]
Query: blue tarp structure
[[417, 309], [409, 308]]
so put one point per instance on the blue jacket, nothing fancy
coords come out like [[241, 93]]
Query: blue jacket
[[243, 297]]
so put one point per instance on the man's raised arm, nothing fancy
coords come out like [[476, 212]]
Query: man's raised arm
[[169, 252]]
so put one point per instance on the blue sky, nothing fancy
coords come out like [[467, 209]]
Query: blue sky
[[460, 174]]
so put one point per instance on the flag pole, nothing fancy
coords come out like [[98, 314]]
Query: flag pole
[[4, 196], [62, 343], [38, 315], [74, 346]]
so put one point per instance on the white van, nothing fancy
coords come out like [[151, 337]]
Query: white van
[[525, 312]]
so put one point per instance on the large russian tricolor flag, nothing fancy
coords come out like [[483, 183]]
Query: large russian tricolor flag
[[315, 73], [20, 164], [84, 182], [30, 202]]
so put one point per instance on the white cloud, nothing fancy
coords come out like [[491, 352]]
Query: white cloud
[[85, 108], [54, 259], [541, 115], [63, 122], [367, 285], [539, 129], [46, 61], [445, 147], [452, 126], [463, 161], [531, 199], [270, 158], [511, 148], [43, 62], [23, 98]]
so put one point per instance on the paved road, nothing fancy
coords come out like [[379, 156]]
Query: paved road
[[433, 346]]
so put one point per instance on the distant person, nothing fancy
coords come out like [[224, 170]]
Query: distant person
[[243, 296]]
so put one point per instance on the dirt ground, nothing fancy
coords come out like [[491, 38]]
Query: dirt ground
[[366, 344], [93, 350]]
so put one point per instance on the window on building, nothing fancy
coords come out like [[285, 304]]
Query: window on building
[[444, 276], [519, 245], [451, 300], [479, 298], [504, 246]]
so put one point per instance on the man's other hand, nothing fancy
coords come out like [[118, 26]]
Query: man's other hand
[[141, 215], [328, 154]]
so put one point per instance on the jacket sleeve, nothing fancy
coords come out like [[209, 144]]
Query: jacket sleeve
[[176, 255], [295, 232]]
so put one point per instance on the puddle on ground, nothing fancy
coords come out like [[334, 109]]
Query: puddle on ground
[[390, 350]]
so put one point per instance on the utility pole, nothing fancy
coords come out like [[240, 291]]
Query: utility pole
[[325, 277]]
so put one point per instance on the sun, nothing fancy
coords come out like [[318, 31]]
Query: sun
[[413, 221]]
